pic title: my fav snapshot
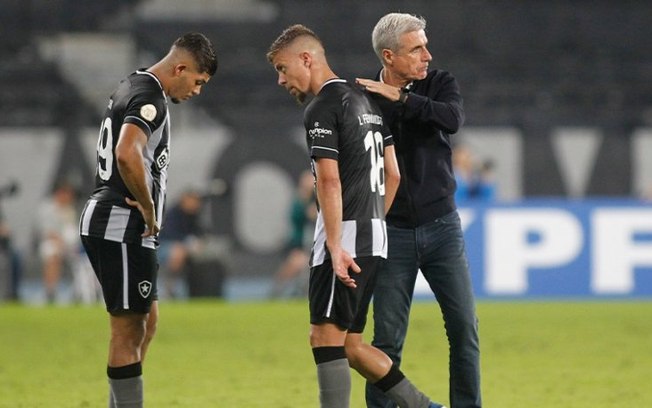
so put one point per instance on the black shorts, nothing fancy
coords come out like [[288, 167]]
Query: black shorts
[[127, 273], [331, 301]]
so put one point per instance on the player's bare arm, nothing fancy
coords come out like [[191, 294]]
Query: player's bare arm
[[329, 196], [390, 92], [129, 156], [392, 176]]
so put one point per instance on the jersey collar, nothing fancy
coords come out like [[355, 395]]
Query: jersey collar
[[145, 72], [330, 81]]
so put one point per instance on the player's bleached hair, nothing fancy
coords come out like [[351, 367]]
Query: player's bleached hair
[[390, 27], [201, 49], [287, 37]]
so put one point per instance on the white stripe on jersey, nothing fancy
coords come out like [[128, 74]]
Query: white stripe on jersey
[[117, 224], [125, 277], [349, 230], [319, 241], [115, 227], [326, 148], [330, 81], [349, 239], [149, 242], [379, 231], [148, 156], [140, 120], [86, 220]]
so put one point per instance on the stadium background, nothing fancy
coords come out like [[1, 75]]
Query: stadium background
[[558, 95]]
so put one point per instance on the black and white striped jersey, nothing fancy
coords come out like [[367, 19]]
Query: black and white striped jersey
[[141, 101], [344, 123]]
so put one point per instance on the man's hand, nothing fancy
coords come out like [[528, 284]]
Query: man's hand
[[342, 263], [151, 228], [388, 91]]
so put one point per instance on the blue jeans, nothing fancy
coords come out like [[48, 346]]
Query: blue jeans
[[437, 248]]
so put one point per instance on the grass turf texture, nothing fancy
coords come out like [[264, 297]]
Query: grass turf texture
[[214, 354]]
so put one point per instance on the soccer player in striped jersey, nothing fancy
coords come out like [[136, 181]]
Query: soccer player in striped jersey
[[120, 221], [356, 178]]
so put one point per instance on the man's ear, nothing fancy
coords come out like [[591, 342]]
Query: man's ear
[[179, 68], [306, 58], [388, 57]]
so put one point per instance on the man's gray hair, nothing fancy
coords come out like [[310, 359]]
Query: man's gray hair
[[389, 29]]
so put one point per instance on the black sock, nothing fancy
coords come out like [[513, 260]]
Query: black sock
[[128, 371], [393, 377], [400, 390], [126, 384]]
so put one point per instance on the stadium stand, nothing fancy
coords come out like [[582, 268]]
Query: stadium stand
[[570, 61], [520, 59], [530, 65], [32, 90]]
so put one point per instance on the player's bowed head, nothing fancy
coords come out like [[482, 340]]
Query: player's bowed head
[[299, 58], [189, 65]]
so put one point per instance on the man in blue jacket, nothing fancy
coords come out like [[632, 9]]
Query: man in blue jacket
[[423, 108]]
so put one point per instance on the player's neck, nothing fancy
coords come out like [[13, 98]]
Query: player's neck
[[158, 71], [321, 78]]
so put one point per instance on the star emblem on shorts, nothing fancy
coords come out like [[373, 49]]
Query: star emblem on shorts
[[145, 288]]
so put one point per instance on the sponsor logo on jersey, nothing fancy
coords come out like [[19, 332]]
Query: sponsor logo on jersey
[[163, 159], [145, 288], [148, 112], [320, 132]]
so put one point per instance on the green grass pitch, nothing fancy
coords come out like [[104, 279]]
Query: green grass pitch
[[216, 354]]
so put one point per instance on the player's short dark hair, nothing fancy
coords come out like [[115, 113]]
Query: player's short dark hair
[[287, 37], [201, 49]]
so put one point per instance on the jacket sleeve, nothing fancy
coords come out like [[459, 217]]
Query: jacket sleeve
[[441, 106]]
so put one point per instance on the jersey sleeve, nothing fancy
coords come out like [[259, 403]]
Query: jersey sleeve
[[321, 124], [147, 110], [388, 139]]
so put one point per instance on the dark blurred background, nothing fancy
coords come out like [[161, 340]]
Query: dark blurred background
[[558, 98]]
